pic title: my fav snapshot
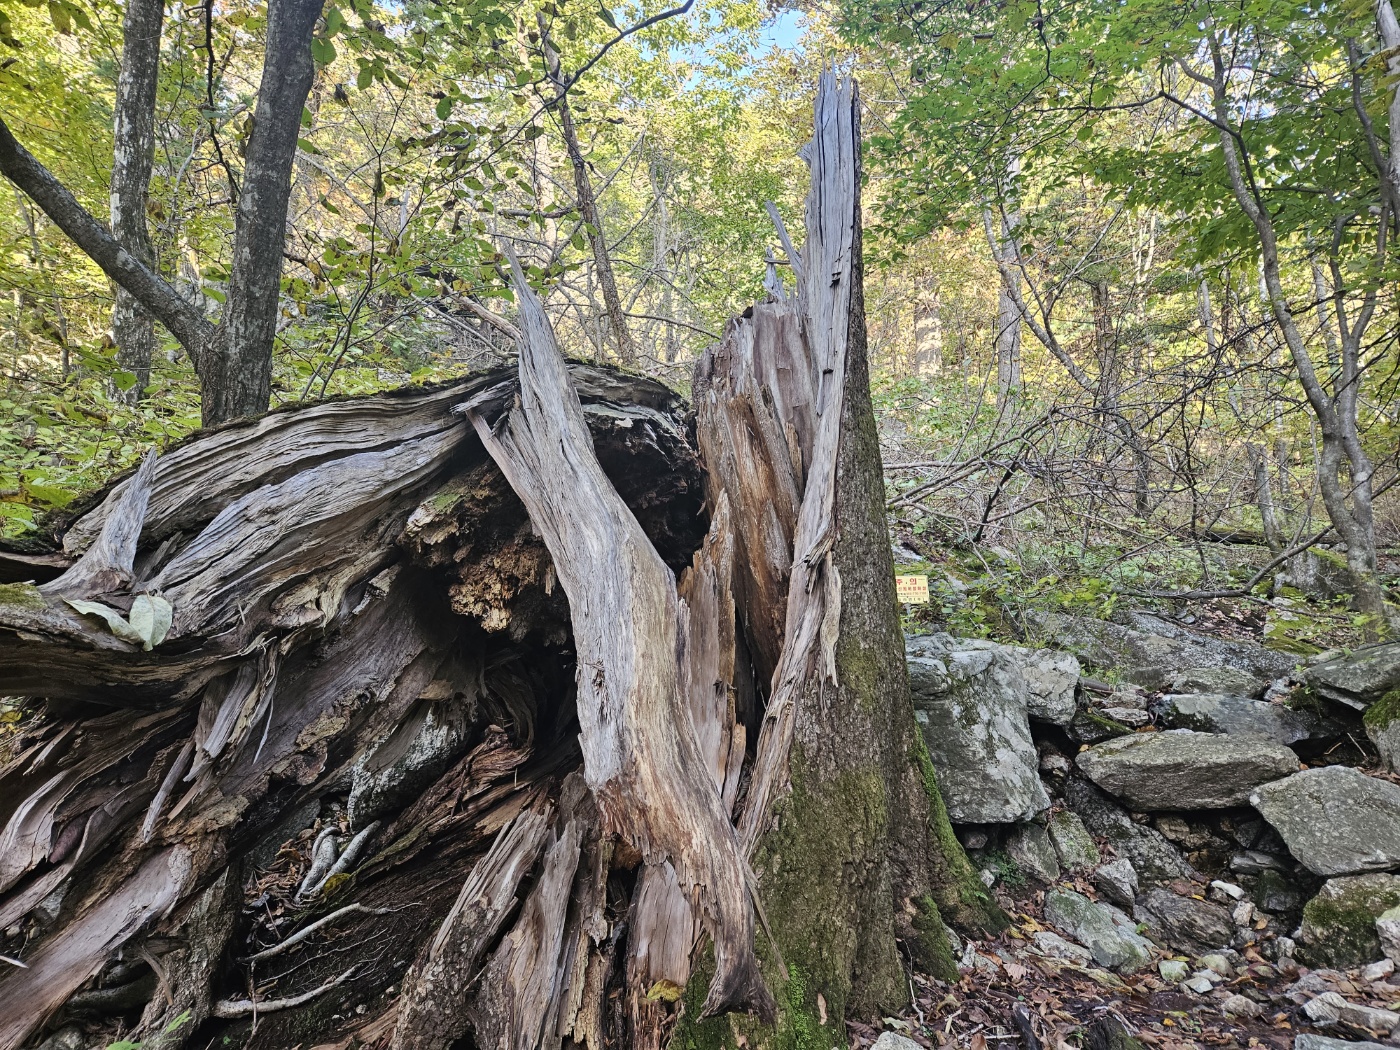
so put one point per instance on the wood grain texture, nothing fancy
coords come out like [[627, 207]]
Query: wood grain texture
[[641, 758]]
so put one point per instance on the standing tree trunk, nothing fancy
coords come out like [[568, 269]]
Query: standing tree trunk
[[133, 133], [928, 331], [234, 359], [424, 717], [588, 204], [239, 382]]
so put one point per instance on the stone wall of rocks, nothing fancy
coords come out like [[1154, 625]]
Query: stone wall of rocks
[[1216, 797]]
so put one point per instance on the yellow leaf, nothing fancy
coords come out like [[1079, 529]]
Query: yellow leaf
[[665, 991]]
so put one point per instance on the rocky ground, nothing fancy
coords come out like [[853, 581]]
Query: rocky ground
[[1196, 839]]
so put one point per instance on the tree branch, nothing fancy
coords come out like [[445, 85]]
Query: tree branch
[[185, 322]]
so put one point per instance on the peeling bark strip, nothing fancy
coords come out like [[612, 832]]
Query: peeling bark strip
[[641, 757]]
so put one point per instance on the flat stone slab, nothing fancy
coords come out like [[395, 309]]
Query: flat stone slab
[[1182, 770], [1311, 1041], [1153, 651], [1336, 820], [1222, 713], [1360, 678]]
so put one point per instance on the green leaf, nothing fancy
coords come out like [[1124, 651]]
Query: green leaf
[[322, 50], [607, 16], [364, 77], [335, 21], [116, 623], [58, 13], [151, 617], [444, 107]]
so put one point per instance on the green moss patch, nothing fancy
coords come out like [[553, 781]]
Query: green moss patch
[[24, 595], [1383, 711]]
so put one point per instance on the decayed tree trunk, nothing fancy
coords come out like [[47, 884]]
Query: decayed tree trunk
[[451, 717]]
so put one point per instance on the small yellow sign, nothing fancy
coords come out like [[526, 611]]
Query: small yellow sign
[[911, 590]]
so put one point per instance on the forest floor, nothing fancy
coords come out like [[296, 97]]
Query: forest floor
[[1062, 999]]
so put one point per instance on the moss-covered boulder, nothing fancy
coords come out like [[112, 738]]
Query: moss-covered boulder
[[1382, 721], [1360, 678], [1339, 924]]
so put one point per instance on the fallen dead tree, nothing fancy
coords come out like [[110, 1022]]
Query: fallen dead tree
[[496, 714]]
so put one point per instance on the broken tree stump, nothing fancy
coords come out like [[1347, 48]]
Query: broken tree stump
[[495, 713]]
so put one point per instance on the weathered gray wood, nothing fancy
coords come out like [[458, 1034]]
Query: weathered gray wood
[[313, 641], [109, 563], [433, 1010], [824, 306], [641, 757]]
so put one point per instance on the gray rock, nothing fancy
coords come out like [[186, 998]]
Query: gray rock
[[1239, 1007], [1198, 984], [1056, 947], [1110, 936], [1326, 1008], [1051, 678], [1385, 735], [1218, 713], [1312, 1041], [1173, 971], [1091, 727], [1216, 964], [1184, 770], [1378, 971], [895, 1041], [1388, 932], [1184, 922], [1359, 679], [1275, 893], [1256, 862], [1152, 651], [1132, 717], [1339, 924], [1118, 882], [971, 704], [1072, 841], [1336, 820], [1154, 858], [1228, 680], [1226, 892], [1188, 836], [1029, 846], [1331, 1008]]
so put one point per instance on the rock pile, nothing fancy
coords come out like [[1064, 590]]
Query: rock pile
[[1188, 784]]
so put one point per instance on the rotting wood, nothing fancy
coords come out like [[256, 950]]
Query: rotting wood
[[641, 760], [475, 701]]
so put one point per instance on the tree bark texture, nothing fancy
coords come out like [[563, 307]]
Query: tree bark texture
[[133, 133], [240, 380], [486, 712]]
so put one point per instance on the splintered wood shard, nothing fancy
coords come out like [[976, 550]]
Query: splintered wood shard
[[108, 564], [823, 305], [641, 757]]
